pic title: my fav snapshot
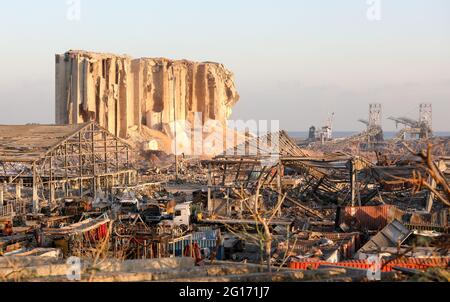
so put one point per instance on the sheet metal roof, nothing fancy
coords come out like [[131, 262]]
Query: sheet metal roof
[[28, 143], [277, 143]]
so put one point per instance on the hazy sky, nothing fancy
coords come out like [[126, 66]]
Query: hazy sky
[[296, 61]]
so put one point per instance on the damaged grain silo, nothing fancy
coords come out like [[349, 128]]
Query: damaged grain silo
[[121, 93]]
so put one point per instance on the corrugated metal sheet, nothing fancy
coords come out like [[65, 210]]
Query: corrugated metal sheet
[[412, 263], [180, 246], [369, 217], [204, 229], [206, 239], [377, 217], [392, 235], [210, 235]]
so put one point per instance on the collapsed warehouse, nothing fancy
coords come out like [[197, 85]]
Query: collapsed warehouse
[[53, 161]]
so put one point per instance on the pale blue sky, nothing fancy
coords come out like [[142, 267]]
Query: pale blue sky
[[293, 60]]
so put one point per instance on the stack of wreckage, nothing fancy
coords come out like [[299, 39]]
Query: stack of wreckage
[[342, 207], [77, 191], [97, 200]]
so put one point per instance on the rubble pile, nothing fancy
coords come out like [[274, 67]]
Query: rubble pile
[[302, 217]]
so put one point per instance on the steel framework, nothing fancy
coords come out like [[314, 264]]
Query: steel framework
[[82, 162]]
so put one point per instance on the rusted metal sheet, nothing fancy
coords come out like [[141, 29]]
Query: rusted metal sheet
[[370, 217], [377, 217], [412, 263]]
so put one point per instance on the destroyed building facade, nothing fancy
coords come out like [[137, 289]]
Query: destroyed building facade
[[119, 92]]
